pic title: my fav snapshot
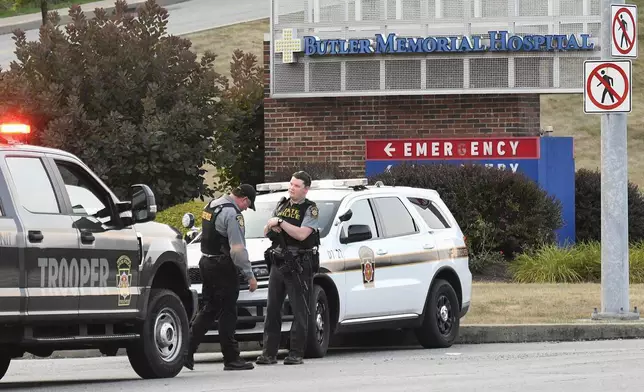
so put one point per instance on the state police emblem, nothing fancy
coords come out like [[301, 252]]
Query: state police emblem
[[124, 280], [367, 264]]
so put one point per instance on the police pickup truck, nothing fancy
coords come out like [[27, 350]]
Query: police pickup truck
[[81, 269], [390, 257]]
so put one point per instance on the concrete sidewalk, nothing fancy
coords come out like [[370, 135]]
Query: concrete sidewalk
[[33, 21], [469, 334]]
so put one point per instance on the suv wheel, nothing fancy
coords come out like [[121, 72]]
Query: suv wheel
[[319, 325], [441, 320], [5, 360], [164, 338]]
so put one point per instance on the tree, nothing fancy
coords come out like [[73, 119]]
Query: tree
[[128, 99], [239, 154], [43, 11]]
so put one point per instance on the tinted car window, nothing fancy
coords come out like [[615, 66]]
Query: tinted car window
[[80, 189], [256, 220], [395, 216], [430, 213], [362, 215], [35, 190]]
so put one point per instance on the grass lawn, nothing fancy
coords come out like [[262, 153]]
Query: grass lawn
[[223, 41], [514, 303]]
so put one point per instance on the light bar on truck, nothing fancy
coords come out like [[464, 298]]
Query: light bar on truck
[[272, 186], [316, 184], [14, 128], [325, 184]]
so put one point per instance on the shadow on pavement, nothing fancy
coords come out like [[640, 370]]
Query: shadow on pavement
[[58, 383]]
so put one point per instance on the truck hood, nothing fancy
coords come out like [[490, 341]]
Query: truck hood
[[255, 246], [157, 229]]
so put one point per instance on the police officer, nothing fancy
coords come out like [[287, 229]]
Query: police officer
[[296, 218], [223, 248]]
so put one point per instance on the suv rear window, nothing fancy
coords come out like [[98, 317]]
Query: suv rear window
[[430, 213]]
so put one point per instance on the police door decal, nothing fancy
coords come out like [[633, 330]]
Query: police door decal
[[368, 265], [124, 280]]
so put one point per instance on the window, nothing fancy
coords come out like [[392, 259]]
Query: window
[[85, 195], [430, 213], [255, 221], [395, 216], [35, 190], [362, 215]]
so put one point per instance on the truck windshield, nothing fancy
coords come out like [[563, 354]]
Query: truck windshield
[[255, 220]]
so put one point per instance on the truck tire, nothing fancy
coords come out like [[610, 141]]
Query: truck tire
[[441, 322], [5, 360], [164, 339], [319, 325]]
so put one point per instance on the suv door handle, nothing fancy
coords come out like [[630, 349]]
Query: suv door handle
[[35, 236], [381, 252], [428, 246], [87, 237]]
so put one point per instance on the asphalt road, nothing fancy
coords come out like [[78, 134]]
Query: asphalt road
[[588, 366], [184, 17]]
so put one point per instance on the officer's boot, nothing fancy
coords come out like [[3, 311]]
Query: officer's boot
[[293, 359], [238, 364], [266, 360]]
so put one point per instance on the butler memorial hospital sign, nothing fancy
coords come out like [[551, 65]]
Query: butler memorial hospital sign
[[349, 81], [391, 44]]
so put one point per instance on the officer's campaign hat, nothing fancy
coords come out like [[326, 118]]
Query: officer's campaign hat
[[246, 190]]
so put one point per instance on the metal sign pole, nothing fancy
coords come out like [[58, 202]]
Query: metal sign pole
[[614, 198]]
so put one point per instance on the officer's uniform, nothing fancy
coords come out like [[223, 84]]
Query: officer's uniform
[[223, 248], [301, 214]]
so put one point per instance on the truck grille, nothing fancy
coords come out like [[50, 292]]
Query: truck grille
[[260, 269]]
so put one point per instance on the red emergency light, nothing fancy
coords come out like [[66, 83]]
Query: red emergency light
[[14, 128]]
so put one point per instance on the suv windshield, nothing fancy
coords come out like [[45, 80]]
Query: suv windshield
[[255, 220]]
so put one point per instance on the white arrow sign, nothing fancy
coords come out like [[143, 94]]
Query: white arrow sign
[[389, 149]]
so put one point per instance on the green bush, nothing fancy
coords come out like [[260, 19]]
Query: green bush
[[588, 208], [498, 211], [573, 264], [172, 216], [136, 104]]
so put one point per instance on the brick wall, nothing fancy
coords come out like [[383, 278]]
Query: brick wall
[[335, 129]]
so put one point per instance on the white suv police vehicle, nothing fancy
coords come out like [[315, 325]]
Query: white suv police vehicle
[[390, 257]]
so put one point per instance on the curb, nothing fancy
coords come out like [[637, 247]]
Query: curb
[[469, 334], [511, 333], [35, 21]]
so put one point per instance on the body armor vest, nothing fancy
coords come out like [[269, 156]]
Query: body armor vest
[[213, 242], [294, 214]]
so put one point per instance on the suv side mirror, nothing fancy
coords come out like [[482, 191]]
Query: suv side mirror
[[357, 233], [144, 206]]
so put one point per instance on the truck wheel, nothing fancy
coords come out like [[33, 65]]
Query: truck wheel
[[5, 360], [319, 325], [164, 338], [441, 322]]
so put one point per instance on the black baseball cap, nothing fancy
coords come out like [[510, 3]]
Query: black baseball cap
[[246, 190]]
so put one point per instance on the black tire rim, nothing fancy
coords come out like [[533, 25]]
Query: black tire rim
[[319, 321], [444, 315]]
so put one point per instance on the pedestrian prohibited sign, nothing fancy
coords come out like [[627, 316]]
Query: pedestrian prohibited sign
[[607, 86], [623, 30]]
